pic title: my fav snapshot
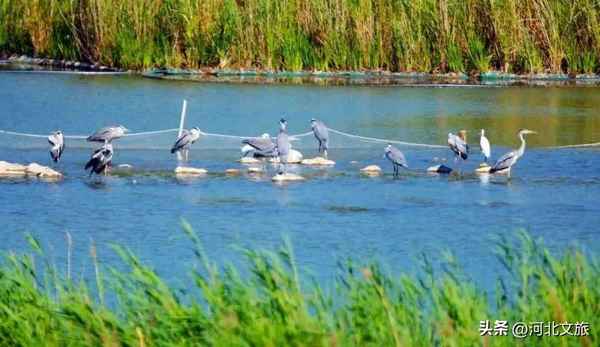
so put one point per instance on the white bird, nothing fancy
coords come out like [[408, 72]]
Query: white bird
[[57, 143], [484, 143], [507, 161]]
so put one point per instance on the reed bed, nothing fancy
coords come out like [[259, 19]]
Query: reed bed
[[270, 304], [516, 36]]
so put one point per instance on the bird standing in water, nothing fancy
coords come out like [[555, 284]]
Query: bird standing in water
[[185, 141], [507, 161], [57, 145], [101, 160], [321, 134], [486, 149], [397, 158], [283, 145]]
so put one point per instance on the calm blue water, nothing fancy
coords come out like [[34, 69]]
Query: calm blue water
[[336, 212]]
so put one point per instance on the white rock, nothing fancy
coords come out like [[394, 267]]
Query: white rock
[[249, 160], [12, 170], [371, 169], [35, 169], [294, 157], [183, 170], [483, 168], [317, 161], [287, 177]]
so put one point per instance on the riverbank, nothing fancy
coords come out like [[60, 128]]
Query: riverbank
[[268, 302], [261, 76]]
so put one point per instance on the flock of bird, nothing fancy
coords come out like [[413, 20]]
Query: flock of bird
[[264, 147]]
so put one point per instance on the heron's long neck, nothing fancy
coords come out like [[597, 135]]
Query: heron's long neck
[[521, 149]]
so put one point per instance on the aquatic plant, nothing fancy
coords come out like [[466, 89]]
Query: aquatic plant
[[520, 36], [273, 304]]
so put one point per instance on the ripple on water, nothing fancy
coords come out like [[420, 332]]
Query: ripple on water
[[343, 209], [223, 201]]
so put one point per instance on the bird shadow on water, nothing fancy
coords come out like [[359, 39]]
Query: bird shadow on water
[[97, 184]]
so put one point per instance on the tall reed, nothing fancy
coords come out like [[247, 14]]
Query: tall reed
[[272, 303], [519, 36]]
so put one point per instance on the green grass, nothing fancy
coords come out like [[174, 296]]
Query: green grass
[[520, 36], [271, 304]]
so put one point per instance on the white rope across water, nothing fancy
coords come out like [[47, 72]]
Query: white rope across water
[[583, 145], [376, 140], [292, 137]]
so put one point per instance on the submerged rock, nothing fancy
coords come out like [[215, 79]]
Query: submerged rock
[[287, 177], [255, 170], [317, 161], [185, 171]]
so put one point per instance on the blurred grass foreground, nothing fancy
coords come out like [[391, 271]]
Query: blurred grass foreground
[[269, 305], [512, 36]]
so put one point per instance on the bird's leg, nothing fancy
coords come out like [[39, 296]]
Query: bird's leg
[[325, 153]]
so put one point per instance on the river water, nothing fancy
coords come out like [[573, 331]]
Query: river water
[[334, 214]]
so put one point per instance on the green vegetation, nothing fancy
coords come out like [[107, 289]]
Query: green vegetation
[[271, 306], [520, 36]]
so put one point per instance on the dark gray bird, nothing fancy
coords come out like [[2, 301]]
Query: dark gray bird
[[101, 160], [397, 158], [458, 146], [260, 147], [283, 145], [507, 161], [107, 134], [321, 134], [185, 141], [57, 145]]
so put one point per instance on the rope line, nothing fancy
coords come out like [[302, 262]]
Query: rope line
[[376, 140], [292, 137]]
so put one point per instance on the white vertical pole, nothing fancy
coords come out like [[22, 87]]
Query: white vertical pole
[[181, 123]]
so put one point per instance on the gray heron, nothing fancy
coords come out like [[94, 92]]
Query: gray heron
[[101, 160], [486, 149], [458, 145], [283, 145], [261, 146], [507, 161], [107, 134], [57, 145], [185, 141], [321, 134], [397, 158]]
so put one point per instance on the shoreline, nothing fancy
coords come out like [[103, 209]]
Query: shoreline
[[342, 77]]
